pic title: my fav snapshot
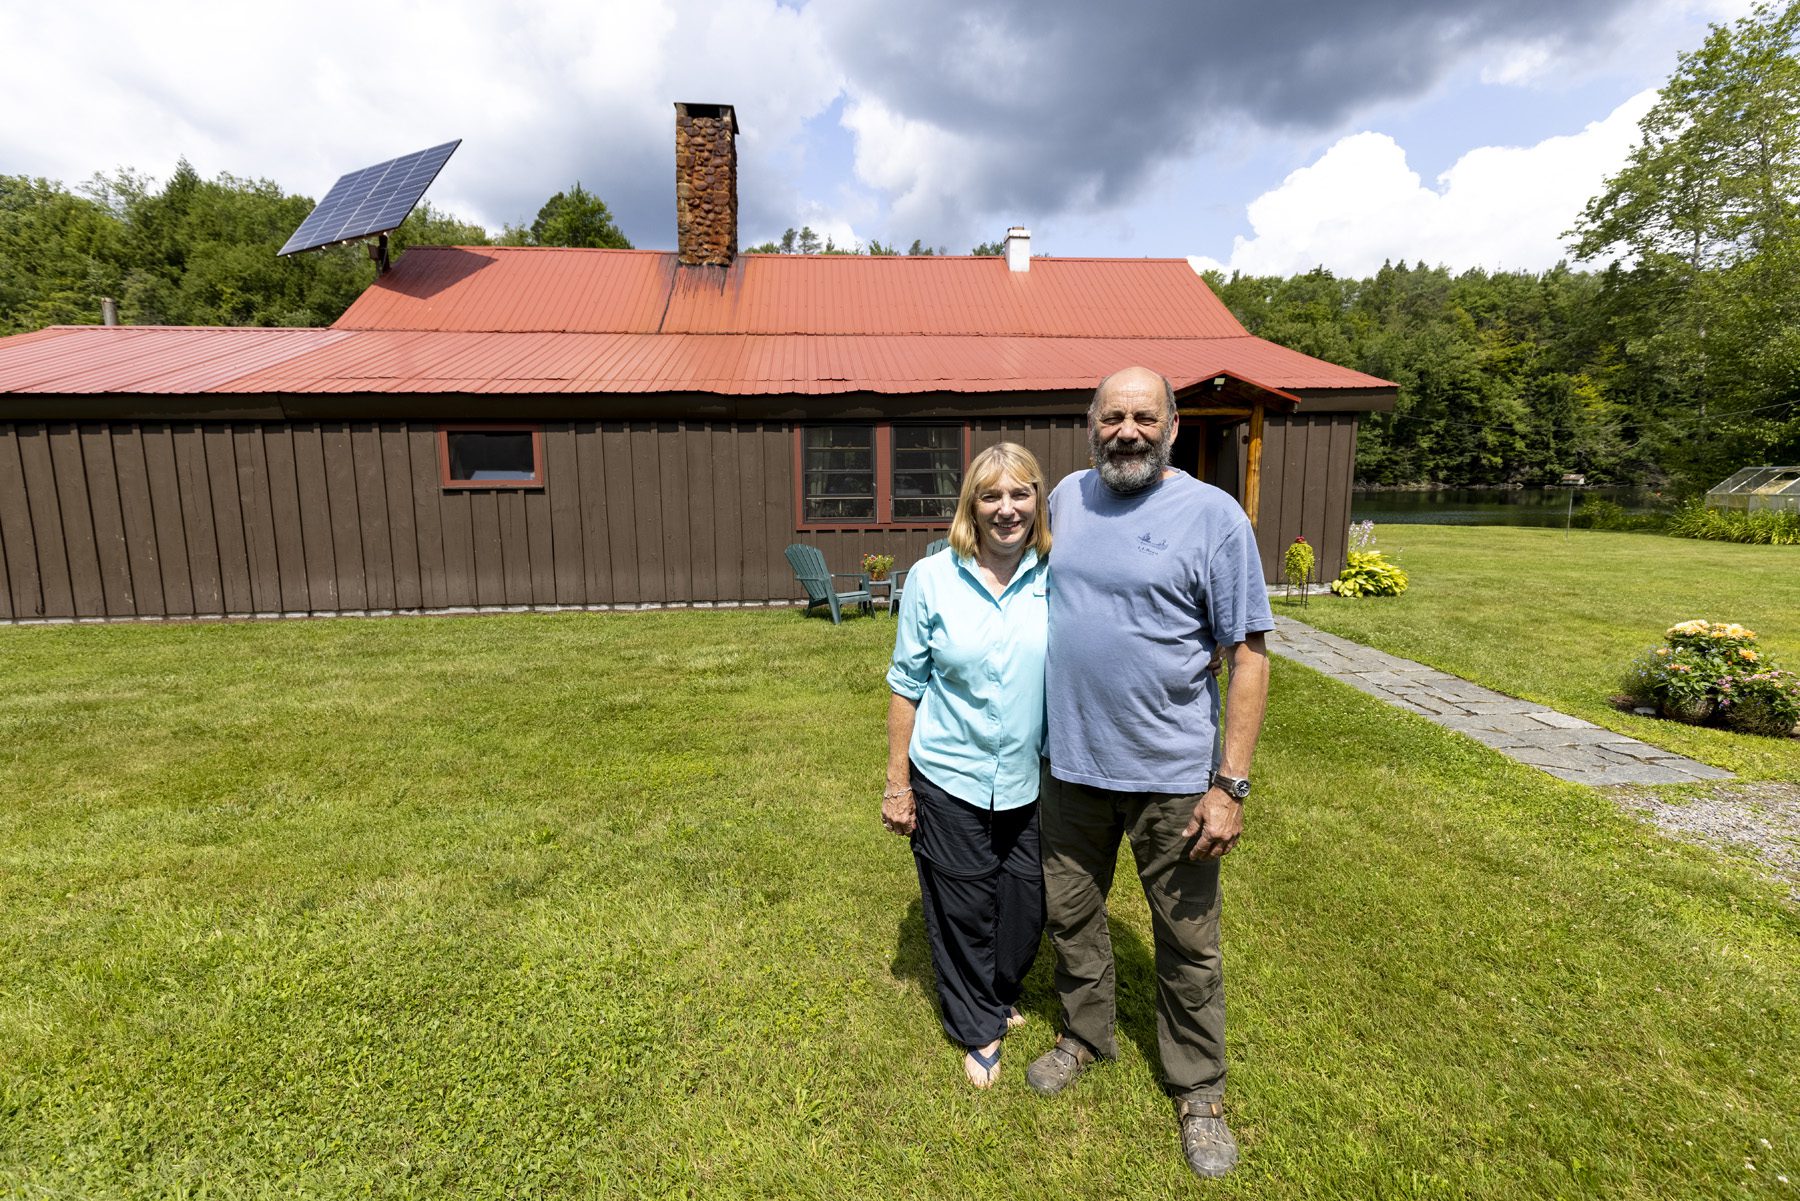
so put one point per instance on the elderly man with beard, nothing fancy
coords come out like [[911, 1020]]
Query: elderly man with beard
[[1156, 579]]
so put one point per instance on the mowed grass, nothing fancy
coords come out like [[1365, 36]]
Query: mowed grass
[[598, 905], [1556, 618]]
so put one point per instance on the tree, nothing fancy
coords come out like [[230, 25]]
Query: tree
[[576, 217], [1715, 177], [429, 226], [985, 250], [1705, 212], [807, 242], [60, 254]]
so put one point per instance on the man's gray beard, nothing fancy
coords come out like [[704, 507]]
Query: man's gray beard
[[1132, 474]]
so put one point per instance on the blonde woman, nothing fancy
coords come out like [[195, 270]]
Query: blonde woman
[[965, 730]]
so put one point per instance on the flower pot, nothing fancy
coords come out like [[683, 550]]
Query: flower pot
[[1695, 711]]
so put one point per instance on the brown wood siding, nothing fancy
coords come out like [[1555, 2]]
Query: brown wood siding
[[18, 545], [179, 519], [1308, 462]]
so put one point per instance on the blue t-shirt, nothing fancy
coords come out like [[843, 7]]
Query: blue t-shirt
[[975, 663], [1144, 587]]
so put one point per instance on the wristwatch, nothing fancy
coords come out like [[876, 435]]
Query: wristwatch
[[1231, 786]]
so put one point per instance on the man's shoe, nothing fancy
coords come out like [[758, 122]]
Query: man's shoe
[[1206, 1140], [1052, 1071]]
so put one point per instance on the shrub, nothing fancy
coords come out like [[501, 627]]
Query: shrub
[[1764, 527], [1369, 574], [1598, 514], [1764, 702]]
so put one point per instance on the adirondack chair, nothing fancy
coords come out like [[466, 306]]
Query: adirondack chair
[[808, 563], [931, 548]]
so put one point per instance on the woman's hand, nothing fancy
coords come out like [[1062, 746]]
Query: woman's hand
[[898, 814]]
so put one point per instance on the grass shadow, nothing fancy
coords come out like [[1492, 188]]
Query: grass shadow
[[1134, 973]]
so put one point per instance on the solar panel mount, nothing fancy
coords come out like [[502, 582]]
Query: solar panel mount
[[370, 202]]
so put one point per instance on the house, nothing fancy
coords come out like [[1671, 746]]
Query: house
[[497, 427]]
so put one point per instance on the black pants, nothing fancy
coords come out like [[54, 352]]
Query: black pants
[[983, 892]]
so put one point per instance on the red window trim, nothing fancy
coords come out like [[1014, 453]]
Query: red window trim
[[884, 478], [445, 429]]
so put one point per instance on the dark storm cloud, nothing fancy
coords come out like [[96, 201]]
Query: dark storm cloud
[[1074, 101]]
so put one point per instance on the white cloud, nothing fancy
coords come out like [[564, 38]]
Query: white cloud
[[914, 163], [1497, 207]]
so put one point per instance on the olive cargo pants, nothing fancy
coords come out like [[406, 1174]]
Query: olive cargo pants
[[1080, 828]]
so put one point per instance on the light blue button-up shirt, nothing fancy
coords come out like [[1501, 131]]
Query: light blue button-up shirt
[[975, 664]]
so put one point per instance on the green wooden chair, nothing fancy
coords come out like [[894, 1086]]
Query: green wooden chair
[[808, 563], [931, 548]]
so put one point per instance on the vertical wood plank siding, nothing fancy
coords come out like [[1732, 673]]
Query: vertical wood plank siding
[[129, 519]]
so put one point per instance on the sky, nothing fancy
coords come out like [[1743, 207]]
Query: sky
[[1269, 138]]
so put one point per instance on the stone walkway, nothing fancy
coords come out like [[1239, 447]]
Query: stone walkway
[[1566, 747]]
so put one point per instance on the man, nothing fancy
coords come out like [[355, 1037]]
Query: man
[[1156, 578]]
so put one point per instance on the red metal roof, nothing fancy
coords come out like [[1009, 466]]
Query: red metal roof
[[86, 359], [536, 290], [486, 320]]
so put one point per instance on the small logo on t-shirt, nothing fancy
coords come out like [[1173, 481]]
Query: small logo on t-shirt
[[1151, 546]]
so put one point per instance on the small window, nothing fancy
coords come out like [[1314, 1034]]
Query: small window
[[839, 473], [488, 456]]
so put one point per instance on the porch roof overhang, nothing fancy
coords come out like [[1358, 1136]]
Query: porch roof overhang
[[1231, 397]]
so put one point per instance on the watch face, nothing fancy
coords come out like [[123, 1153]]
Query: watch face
[[1235, 788]]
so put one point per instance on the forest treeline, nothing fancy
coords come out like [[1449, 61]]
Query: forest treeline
[[1671, 367]]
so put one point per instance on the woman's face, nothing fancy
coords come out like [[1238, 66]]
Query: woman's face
[[1005, 512]]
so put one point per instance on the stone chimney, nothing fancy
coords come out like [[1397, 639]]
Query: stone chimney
[[1018, 249], [706, 206]]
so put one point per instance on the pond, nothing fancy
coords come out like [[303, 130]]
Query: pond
[[1492, 506]]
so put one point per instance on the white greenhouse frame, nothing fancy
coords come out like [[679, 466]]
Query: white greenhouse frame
[[1758, 488]]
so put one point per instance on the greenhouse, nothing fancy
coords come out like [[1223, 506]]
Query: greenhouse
[[1757, 488]]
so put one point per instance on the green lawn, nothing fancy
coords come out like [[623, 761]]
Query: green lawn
[[1554, 619], [598, 905]]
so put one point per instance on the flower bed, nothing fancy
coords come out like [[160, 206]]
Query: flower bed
[[1712, 673]]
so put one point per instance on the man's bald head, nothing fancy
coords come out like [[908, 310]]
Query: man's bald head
[[1136, 380], [1131, 428]]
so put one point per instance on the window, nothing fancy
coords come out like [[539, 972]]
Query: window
[[928, 467], [878, 474], [491, 456], [838, 479]]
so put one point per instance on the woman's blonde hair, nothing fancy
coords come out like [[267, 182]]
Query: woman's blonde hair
[[989, 468]]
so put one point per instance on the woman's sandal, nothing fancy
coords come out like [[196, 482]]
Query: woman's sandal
[[982, 1070]]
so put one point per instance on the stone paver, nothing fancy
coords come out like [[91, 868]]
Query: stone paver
[[1567, 747]]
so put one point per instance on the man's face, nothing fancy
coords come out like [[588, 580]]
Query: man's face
[[1130, 433]]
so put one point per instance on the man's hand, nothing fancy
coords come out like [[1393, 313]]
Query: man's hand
[[1219, 821]]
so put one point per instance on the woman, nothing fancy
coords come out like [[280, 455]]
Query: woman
[[965, 729]]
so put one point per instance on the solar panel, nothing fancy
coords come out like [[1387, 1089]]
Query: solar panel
[[374, 200]]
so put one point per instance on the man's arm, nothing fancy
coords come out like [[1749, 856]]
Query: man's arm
[[1218, 818]]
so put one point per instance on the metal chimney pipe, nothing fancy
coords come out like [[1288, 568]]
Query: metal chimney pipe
[[109, 311]]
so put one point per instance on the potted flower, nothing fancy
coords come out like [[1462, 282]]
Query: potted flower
[[1686, 685], [877, 566]]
